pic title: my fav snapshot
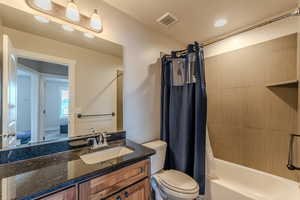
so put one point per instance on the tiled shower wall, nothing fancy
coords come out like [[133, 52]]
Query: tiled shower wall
[[249, 123]]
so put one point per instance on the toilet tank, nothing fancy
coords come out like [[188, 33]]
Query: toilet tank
[[158, 159]]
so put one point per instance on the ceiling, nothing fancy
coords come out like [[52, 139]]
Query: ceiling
[[197, 17], [22, 21]]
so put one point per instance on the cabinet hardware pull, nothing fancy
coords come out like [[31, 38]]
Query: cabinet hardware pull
[[126, 194], [118, 198], [142, 170]]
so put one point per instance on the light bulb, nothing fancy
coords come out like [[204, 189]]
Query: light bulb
[[67, 28], [72, 12], [95, 22], [41, 19], [89, 35], [43, 4]]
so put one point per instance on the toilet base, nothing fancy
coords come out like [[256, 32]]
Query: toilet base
[[161, 195]]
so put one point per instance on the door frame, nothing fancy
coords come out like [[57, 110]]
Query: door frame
[[34, 105], [8, 53], [119, 120], [71, 77], [43, 79]]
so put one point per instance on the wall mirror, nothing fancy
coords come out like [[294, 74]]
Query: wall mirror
[[57, 82]]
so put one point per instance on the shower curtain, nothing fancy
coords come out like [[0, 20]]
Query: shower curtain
[[183, 112]]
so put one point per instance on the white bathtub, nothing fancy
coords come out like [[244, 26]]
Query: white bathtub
[[236, 182]]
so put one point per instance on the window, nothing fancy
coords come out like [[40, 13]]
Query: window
[[64, 109]]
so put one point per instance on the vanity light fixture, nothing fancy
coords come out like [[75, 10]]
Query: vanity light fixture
[[95, 21], [43, 4], [220, 23], [72, 12], [67, 28], [69, 14], [41, 19], [89, 35]]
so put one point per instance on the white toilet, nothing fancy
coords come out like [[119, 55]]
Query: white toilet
[[169, 184]]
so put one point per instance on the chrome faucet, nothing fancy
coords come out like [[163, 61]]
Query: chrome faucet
[[99, 140], [102, 139]]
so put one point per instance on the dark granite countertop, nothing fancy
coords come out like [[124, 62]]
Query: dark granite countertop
[[38, 176]]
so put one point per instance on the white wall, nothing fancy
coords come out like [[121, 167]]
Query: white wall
[[142, 68], [259, 35]]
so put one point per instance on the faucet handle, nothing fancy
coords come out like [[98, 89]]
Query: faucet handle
[[97, 141], [105, 134], [91, 141]]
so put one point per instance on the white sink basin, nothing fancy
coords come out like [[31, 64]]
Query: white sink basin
[[108, 154]]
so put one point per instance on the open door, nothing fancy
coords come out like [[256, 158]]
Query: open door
[[9, 101]]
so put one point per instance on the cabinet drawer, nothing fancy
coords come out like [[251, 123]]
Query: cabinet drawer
[[106, 185], [68, 194], [138, 191]]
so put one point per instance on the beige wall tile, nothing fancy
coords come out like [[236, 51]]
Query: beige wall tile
[[226, 142], [253, 148], [249, 123], [277, 154], [214, 115], [282, 63], [255, 101], [232, 107], [281, 109], [231, 72], [291, 57], [212, 73], [253, 65]]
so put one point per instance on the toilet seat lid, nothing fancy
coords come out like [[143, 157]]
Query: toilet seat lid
[[178, 182]]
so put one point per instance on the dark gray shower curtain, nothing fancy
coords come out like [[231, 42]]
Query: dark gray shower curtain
[[183, 112]]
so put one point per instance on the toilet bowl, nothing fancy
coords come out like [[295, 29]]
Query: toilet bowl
[[169, 184]]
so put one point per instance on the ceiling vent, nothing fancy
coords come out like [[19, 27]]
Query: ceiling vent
[[167, 20]]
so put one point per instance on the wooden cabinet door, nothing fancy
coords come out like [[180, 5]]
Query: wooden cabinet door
[[138, 191], [68, 194], [104, 186]]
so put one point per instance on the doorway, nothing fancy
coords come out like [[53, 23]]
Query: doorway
[[55, 107], [42, 101], [23, 78]]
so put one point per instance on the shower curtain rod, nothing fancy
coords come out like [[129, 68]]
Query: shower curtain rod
[[294, 13]]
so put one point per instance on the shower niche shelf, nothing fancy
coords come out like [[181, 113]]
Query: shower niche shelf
[[290, 83]]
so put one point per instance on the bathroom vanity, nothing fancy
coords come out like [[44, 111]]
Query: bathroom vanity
[[131, 182], [65, 176]]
